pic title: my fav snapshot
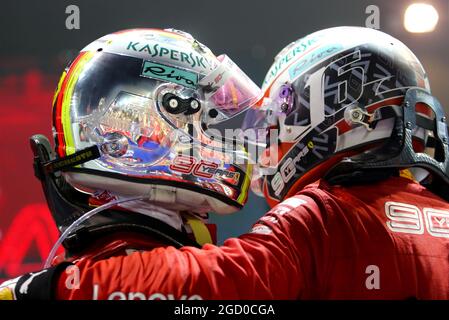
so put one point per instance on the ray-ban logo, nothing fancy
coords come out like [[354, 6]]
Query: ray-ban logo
[[166, 73]]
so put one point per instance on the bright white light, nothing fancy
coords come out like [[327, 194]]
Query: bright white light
[[420, 18]]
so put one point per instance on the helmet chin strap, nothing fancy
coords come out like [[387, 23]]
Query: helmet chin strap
[[163, 209], [171, 217], [179, 220], [184, 221]]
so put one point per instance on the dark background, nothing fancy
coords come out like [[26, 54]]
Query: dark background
[[35, 46]]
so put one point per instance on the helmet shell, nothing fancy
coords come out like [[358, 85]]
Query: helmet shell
[[114, 94], [315, 88]]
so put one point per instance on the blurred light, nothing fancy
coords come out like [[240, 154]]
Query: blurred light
[[420, 18]]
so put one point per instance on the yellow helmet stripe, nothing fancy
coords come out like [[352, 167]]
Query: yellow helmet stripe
[[245, 187], [65, 112]]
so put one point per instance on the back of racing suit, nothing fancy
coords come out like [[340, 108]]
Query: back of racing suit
[[388, 240]]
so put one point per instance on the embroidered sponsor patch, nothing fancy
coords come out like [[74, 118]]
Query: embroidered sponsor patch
[[171, 74]]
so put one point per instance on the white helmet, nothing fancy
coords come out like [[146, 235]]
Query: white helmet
[[350, 104]]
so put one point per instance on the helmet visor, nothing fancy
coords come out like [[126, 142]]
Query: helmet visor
[[228, 91]]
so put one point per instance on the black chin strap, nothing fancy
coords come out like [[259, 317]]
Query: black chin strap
[[351, 176]]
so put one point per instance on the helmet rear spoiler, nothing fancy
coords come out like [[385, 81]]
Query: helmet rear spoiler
[[46, 169]]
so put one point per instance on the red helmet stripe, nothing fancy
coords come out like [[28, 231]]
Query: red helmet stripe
[[57, 109]]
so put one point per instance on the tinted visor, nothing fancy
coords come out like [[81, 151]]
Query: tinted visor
[[228, 90]]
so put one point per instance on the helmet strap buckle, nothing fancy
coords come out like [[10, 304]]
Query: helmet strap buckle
[[358, 116]]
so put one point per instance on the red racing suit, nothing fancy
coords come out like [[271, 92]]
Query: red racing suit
[[388, 240]]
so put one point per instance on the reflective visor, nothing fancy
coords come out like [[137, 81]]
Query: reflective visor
[[261, 127], [228, 90], [284, 106], [264, 114], [258, 121]]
